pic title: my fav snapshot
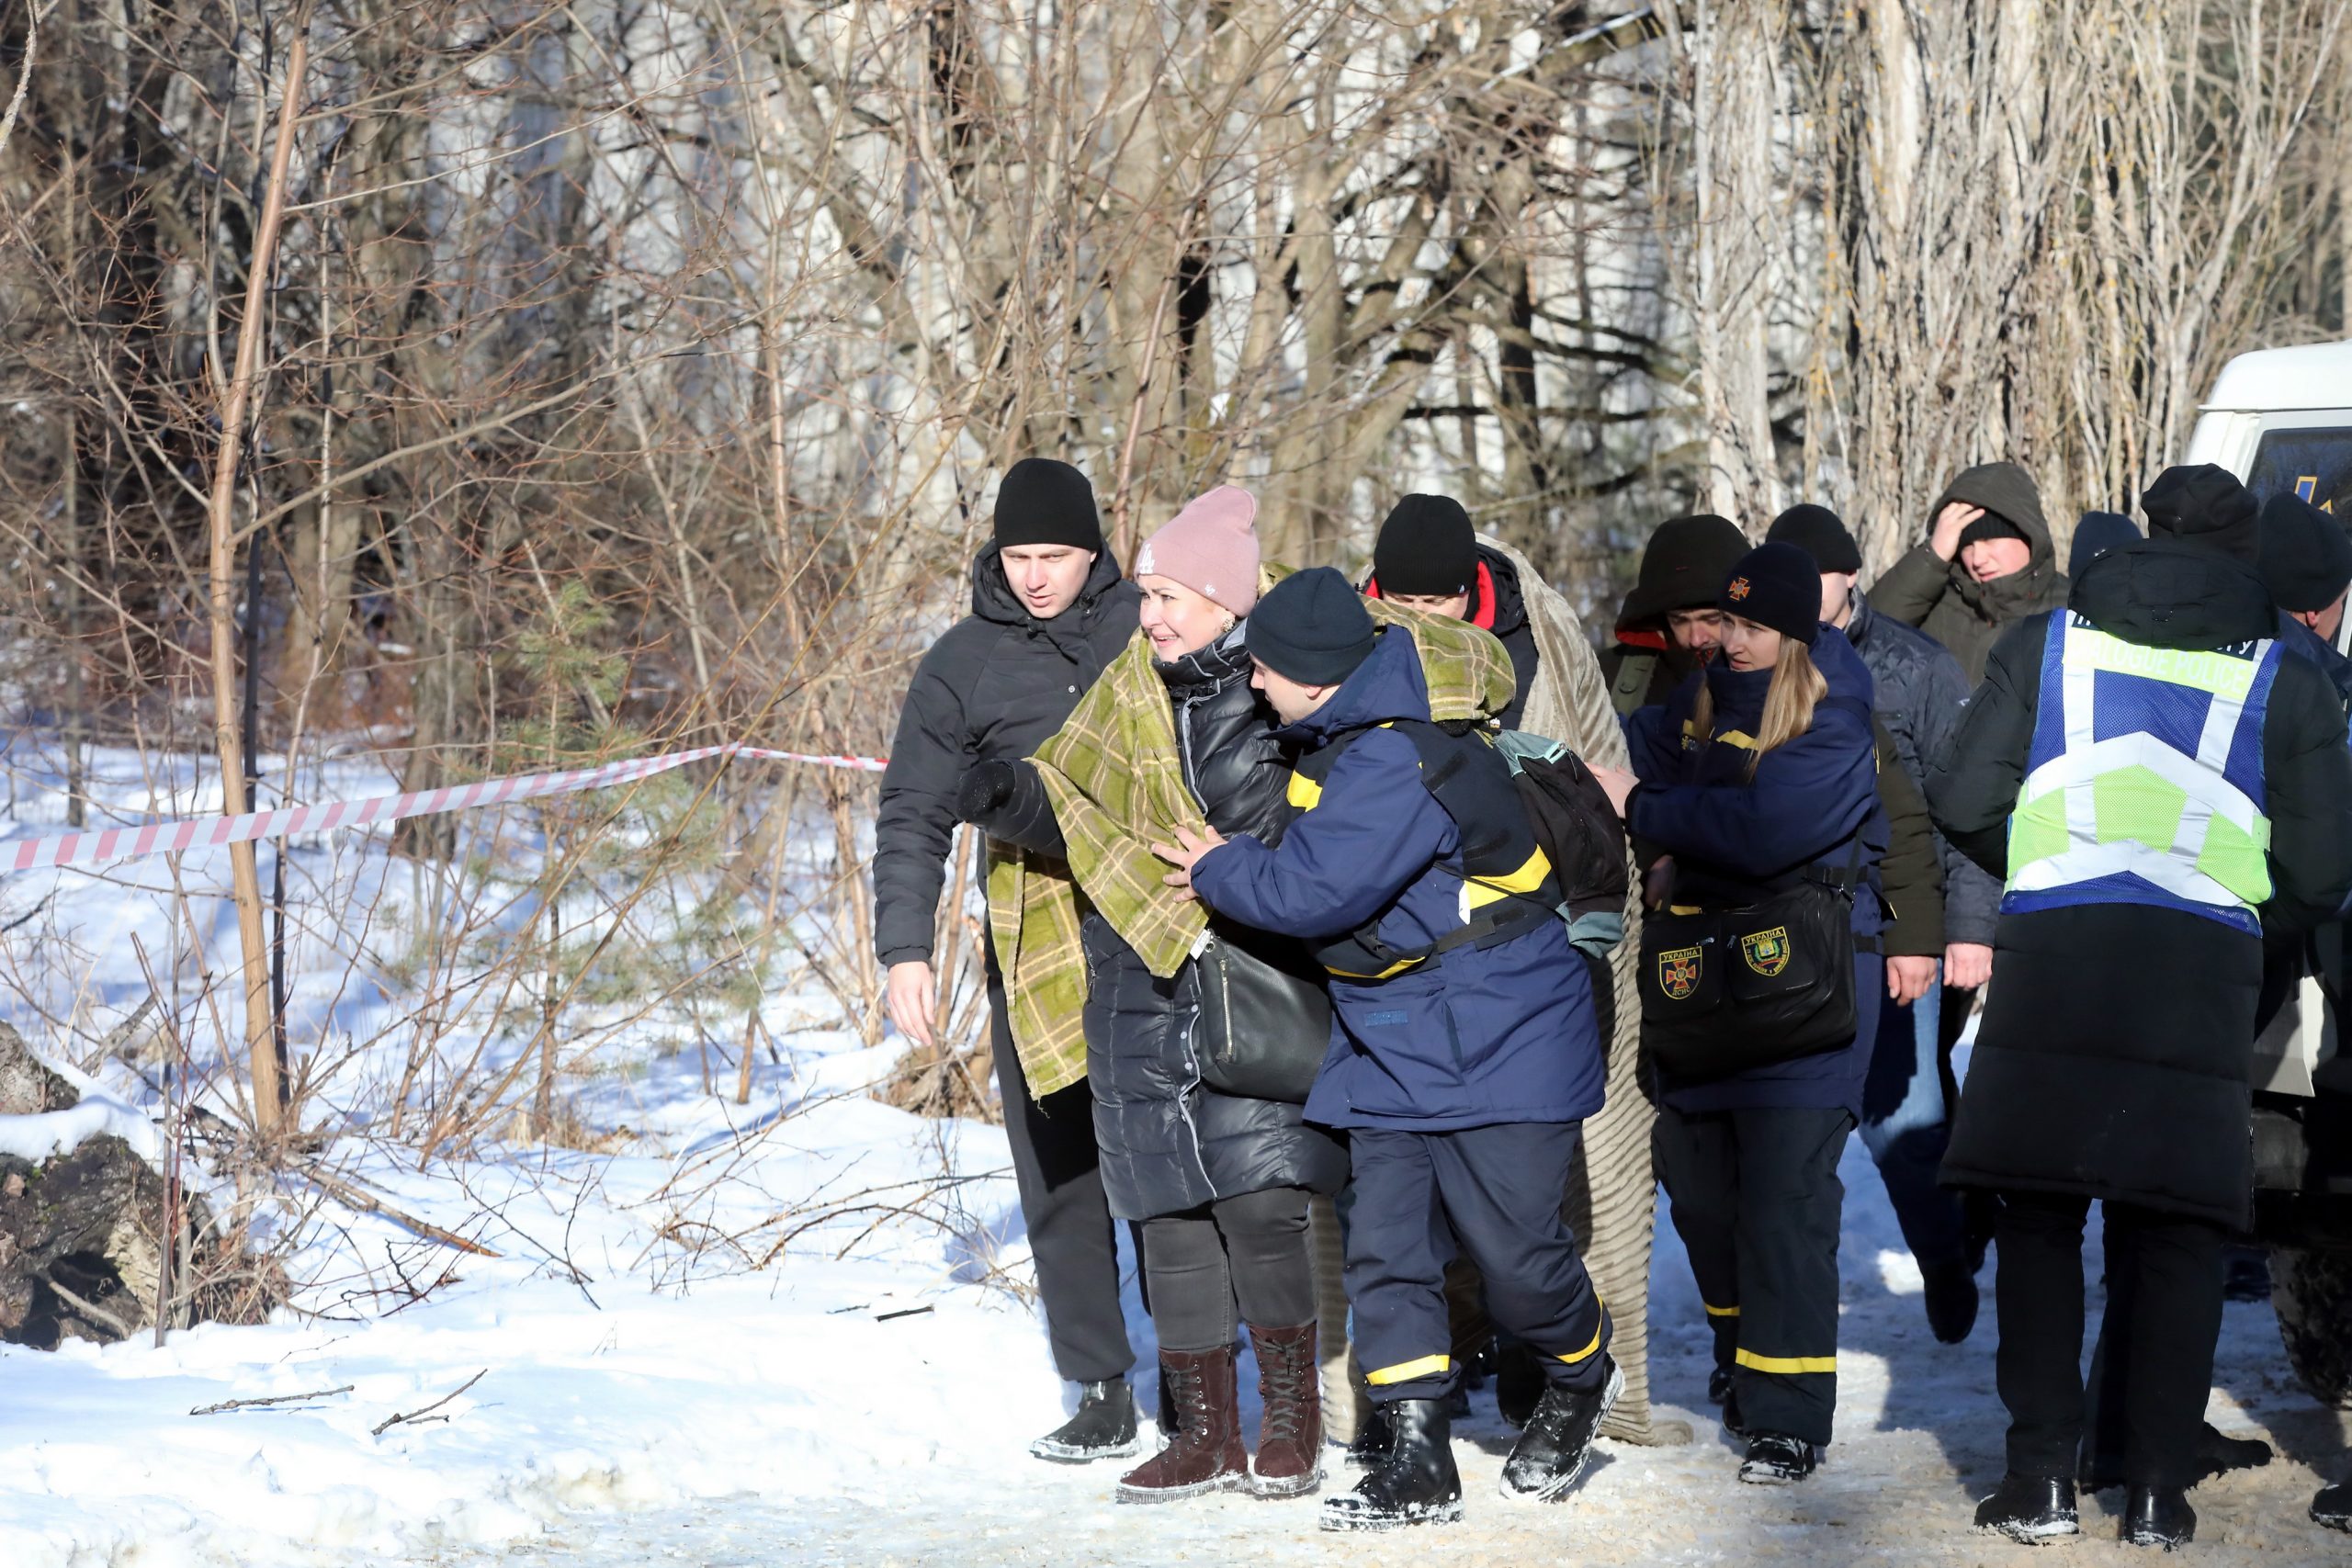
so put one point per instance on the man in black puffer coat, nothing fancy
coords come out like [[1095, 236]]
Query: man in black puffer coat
[[2159, 780], [1049, 611]]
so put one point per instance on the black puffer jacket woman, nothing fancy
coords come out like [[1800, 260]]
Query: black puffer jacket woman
[[1170, 1142], [1221, 1180]]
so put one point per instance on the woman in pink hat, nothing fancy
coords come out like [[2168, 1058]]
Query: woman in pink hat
[[1219, 1178]]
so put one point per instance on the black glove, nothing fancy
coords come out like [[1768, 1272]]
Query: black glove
[[986, 788]]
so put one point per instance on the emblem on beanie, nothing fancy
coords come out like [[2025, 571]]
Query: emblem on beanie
[[1767, 952], [1143, 561], [1678, 972], [1738, 589]]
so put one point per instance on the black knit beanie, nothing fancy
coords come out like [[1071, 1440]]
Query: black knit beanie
[[1683, 568], [1311, 627], [1425, 547], [1042, 502], [1776, 585], [2096, 533], [2204, 505], [1819, 533], [2306, 558], [1992, 525]]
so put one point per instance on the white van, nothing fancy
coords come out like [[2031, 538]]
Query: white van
[[2280, 419]]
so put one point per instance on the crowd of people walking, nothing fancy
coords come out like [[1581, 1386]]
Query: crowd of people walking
[[1371, 950]]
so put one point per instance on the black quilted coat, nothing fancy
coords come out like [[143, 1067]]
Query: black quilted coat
[[1169, 1142]]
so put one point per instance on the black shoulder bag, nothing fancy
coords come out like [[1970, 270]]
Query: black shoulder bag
[[1725, 990], [1265, 1019]]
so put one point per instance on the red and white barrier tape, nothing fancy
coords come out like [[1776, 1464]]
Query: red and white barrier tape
[[88, 847]]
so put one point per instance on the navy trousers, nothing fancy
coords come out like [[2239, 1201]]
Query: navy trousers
[[1755, 1198], [1415, 1201]]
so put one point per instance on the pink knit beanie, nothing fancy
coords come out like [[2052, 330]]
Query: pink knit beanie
[[1210, 548]]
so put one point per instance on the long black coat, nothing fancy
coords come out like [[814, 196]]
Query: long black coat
[[1169, 1142], [994, 687], [2112, 1056]]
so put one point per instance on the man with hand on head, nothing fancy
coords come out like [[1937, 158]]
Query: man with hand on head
[[1986, 564], [1049, 612]]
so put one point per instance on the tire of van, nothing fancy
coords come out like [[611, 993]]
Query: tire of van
[[2312, 1292]]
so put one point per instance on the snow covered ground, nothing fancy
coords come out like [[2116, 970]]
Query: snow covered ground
[[793, 1332]]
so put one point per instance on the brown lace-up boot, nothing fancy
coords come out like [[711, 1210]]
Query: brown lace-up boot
[[1290, 1437], [1204, 1453]]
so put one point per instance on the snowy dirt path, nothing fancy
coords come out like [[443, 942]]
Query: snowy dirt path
[[1920, 1433]]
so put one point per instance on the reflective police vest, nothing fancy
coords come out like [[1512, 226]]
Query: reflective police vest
[[2143, 783]]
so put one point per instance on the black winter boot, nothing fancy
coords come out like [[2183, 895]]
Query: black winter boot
[[2333, 1506], [1104, 1427], [1776, 1459], [1518, 1383], [1416, 1484], [1550, 1454], [2031, 1508], [2159, 1516], [1952, 1301], [1374, 1439]]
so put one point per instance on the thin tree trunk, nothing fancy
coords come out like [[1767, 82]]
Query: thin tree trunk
[[261, 1046]]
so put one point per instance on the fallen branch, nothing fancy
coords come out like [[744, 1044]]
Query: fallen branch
[[89, 1311], [122, 1035], [391, 1421], [273, 1399], [369, 1204]]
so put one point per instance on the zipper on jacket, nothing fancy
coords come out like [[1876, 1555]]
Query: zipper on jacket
[[1190, 769], [1184, 1100]]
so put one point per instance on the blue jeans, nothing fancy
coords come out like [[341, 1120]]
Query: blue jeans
[[1907, 1122]]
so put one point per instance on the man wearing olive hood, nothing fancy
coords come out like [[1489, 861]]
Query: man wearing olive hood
[[1986, 563]]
